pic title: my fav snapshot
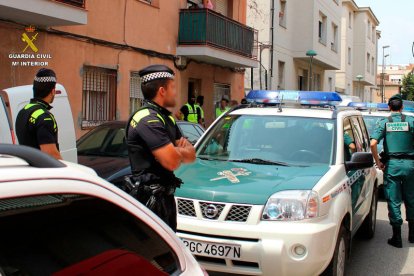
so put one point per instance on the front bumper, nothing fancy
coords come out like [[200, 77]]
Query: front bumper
[[267, 247]]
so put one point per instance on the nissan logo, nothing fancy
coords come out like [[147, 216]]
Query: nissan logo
[[211, 211]]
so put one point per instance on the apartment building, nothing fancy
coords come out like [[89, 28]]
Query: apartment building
[[97, 48], [359, 40]]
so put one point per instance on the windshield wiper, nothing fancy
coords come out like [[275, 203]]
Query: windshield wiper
[[261, 162]]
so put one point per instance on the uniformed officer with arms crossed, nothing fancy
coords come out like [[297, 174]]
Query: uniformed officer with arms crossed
[[35, 126], [398, 134], [155, 144]]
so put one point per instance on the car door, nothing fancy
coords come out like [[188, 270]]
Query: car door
[[354, 142]]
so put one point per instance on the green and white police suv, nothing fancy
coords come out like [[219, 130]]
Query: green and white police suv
[[279, 190]]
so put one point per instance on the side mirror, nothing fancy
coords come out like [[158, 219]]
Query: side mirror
[[360, 160]]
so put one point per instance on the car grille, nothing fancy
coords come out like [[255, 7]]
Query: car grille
[[213, 210], [239, 213], [186, 207]]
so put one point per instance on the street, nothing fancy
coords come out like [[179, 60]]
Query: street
[[376, 257]]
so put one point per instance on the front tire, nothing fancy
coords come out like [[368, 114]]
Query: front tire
[[337, 266]]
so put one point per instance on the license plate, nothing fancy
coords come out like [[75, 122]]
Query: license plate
[[216, 250]]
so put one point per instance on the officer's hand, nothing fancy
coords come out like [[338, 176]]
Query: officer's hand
[[381, 165]]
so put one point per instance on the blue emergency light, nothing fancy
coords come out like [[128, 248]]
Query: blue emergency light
[[301, 97], [365, 106]]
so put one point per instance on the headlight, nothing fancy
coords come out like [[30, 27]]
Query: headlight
[[291, 205]]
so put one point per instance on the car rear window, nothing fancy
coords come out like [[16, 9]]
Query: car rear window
[[73, 235]]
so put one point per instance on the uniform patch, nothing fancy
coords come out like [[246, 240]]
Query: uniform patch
[[232, 175], [397, 126]]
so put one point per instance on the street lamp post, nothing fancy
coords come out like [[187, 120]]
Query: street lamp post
[[359, 78], [382, 74], [310, 54]]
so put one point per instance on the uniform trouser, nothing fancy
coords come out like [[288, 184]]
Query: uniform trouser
[[165, 207], [399, 187]]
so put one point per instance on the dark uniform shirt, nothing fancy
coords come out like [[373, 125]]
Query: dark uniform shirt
[[36, 126], [152, 128]]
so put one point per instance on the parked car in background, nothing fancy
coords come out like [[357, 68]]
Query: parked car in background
[[59, 218], [104, 149]]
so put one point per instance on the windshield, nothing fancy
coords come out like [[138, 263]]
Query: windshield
[[104, 141], [265, 139]]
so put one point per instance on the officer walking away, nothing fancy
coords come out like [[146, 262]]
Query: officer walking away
[[190, 111], [35, 125], [223, 107], [199, 105], [155, 145], [398, 166]]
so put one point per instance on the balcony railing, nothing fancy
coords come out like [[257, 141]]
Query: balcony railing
[[206, 27], [76, 3]]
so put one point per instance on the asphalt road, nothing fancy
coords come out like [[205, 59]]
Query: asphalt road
[[376, 257]]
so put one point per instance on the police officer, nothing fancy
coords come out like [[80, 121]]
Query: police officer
[[155, 145], [35, 125], [199, 105], [190, 112], [223, 107], [398, 166]]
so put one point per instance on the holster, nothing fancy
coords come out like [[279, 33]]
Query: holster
[[384, 158]]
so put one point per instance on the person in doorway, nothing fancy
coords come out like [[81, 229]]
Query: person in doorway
[[190, 111], [35, 125], [223, 107], [199, 105]]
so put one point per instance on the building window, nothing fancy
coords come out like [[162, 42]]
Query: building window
[[350, 20], [372, 66], [316, 82], [98, 96], [135, 93], [281, 75], [322, 28], [373, 34], [334, 43], [368, 62], [282, 13], [369, 30], [349, 56], [330, 84]]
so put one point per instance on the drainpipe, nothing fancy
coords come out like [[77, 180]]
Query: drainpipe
[[272, 29]]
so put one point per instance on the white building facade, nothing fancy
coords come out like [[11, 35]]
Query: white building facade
[[359, 58]]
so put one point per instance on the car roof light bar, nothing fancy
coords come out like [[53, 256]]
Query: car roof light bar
[[278, 97]]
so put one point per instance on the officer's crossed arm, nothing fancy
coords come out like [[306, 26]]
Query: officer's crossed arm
[[171, 157], [51, 149]]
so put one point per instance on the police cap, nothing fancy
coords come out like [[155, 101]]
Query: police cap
[[155, 72], [395, 97]]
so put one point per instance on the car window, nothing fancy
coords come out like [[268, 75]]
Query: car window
[[365, 134], [199, 129], [75, 235], [189, 131], [93, 141], [349, 140], [358, 135], [293, 140], [116, 146]]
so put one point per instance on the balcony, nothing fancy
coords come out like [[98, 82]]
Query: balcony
[[207, 36], [44, 13]]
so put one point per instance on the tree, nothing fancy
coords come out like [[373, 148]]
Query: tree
[[407, 89]]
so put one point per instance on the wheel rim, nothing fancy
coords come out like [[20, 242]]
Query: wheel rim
[[340, 267]]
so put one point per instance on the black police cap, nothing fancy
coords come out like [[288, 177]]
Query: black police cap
[[155, 72]]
